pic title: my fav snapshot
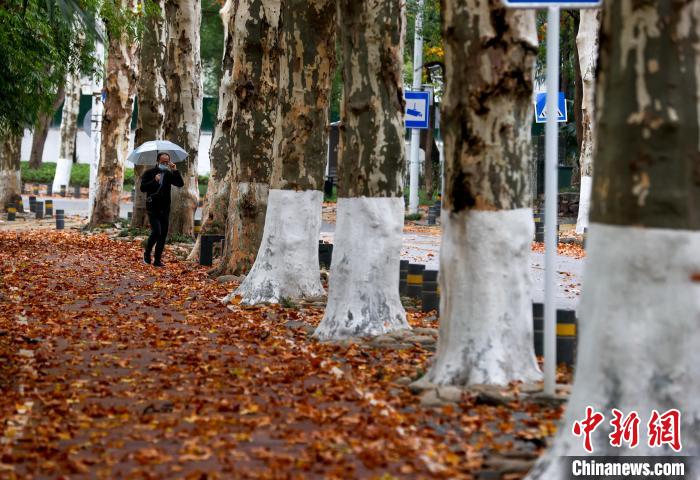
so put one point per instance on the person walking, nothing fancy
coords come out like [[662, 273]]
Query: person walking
[[156, 184]]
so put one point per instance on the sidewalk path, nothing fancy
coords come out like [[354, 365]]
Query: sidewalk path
[[120, 370], [418, 248]]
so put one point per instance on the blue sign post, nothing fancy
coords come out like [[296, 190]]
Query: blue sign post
[[541, 108], [417, 109], [552, 105]]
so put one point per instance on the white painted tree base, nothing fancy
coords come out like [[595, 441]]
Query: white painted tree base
[[639, 341], [62, 175], [363, 293], [486, 331], [584, 204], [287, 262]]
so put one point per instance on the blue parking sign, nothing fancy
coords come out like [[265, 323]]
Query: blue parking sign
[[417, 109]]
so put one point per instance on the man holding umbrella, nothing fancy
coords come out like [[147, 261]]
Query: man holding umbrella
[[156, 183]]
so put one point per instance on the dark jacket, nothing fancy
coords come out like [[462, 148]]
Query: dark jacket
[[158, 194]]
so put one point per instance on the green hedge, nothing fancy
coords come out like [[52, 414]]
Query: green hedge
[[79, 174]]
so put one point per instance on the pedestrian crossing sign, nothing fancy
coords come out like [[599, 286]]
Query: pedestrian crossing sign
[[541, 108]]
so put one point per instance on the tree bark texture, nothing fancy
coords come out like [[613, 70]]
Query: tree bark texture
[[68, 131], [286, 265], [487, 107], [10, 181], [486, 332], [641, 299], [183, 107], [428, 166], [648, 65], [151, 98], [215, 209], [363, 298], [120, 84], [587, 43], [41, 130], [255, 83], [307, 65], [371, 153]]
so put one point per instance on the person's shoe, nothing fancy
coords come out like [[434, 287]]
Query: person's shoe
[[146, 258], [158, 263]]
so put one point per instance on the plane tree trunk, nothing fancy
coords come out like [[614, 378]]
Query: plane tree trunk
[[363, 296], [67, 132], [587, 41], [120, 84], [254, 78], [287, 265], [151, 98], [641, 297], [486, 331], [10, 179], [215, 209], [41, 130], [183, 108]]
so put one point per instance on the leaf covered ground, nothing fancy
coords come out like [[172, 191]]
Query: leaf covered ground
[[110, 368]]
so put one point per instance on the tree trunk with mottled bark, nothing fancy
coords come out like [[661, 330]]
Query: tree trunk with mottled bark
[[120, 83], [255, 77], [68, 131], [587, 41], [183, 107], [151, 98], [486, 331], [10, 179], [215, 210], [363, 297], [428, 173], [41, 130], [287, 265], [641, 298]]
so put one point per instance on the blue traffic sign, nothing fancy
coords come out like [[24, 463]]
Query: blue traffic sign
[[417, 109], [553, 3], [541, 108]]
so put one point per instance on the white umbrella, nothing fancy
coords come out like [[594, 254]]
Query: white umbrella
[[147, 153]]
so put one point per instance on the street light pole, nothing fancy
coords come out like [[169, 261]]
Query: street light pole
[[414, 159]]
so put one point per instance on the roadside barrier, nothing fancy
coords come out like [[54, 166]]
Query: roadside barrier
[[60, 220], [206, 248]]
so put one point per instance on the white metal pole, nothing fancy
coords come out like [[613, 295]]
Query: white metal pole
[[551, 202], [414, 159]]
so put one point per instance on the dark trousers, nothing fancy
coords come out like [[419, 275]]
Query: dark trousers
[[159, 232]]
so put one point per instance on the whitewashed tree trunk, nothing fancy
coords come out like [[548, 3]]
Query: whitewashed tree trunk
[[41, 130], [151, 100], [255, 75], [640, 305], [363, 296], [10, 180], [120, 84], [68, 131], [486, 331], [183, 111], [215, 210], [587, 42], [287, 262]]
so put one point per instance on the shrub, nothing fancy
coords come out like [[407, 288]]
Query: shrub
[[79, 174]]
